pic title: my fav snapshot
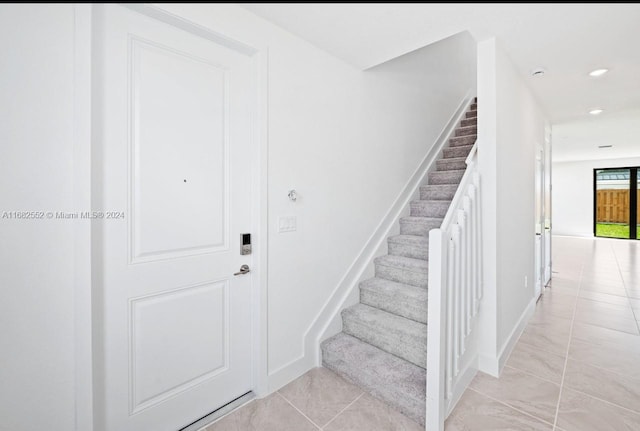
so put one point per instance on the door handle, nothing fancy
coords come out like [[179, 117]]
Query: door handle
[[243, 270]]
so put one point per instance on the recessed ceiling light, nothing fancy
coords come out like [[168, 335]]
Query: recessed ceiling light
[[596, 111], [539, 72], [598, 72]]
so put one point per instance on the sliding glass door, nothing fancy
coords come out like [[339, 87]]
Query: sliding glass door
[[616, 202]]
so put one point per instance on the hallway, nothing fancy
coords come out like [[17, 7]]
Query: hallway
[[575, 368]]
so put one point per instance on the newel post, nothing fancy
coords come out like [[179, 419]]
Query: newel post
[[436, 332]]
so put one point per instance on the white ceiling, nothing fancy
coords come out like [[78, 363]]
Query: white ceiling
[[579, 140], [568, 40]]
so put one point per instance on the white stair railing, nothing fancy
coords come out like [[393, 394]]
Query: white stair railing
[[455, 290]]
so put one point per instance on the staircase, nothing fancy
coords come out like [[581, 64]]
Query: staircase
[[383, 343]]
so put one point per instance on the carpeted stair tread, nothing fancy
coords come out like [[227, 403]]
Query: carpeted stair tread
[[414, 246], [396, 298], [472, 114], [429, 208], [459, 141], [446, 177], [394, 334], [438, 192], [383, 375], [414, 225], [469, 122], [416, 265], [466, 131], [451, 164], [455, 152], [402, 269]]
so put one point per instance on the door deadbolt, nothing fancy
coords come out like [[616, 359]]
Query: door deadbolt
[[245, 244]]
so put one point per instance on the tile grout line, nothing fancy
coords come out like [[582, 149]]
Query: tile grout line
[[509, 406], [528, 373], [566, 359], [539, 348], [299, 411], [341, 411], [599, 367], [636, 412]]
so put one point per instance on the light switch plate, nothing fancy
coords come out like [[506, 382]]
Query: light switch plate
[[287, 224]]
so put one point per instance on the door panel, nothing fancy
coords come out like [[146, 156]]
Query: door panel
[[167, 358], [180, 151], [173, 139]]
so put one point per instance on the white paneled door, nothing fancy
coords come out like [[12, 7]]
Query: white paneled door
[[173, 150]]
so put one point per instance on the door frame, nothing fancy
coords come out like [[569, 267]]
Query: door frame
[[86, 298], [633, 201], [539, 245]]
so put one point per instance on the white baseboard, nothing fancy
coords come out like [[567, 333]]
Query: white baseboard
[[324, 325], [574, 234], [494, 365], [289, 372]]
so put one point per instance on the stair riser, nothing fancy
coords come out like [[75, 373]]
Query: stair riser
[[449, 177], [455, 152], [462, 140], [467, 131], [474, 107], [446, 165], [398, 305], [469, 122], [438, 193], [429, 208], [418, 228], [412, 349], [407, 250], [472, 114], [401, 275]]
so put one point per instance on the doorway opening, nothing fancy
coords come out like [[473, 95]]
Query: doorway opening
[[615, 203]]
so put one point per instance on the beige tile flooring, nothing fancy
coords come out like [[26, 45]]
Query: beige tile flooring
[[577, 364], [319, 400], [575, 367]]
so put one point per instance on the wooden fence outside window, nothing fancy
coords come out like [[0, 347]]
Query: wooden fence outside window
[[612, 206]]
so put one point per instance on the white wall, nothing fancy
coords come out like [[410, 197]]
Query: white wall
[[36, 256], [511, 126], [347, 141], [572, 194]]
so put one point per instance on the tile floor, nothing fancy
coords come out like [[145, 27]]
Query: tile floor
[[575, 367]]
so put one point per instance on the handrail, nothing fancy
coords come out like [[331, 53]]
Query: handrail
[[472, 154], [455, 290]]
